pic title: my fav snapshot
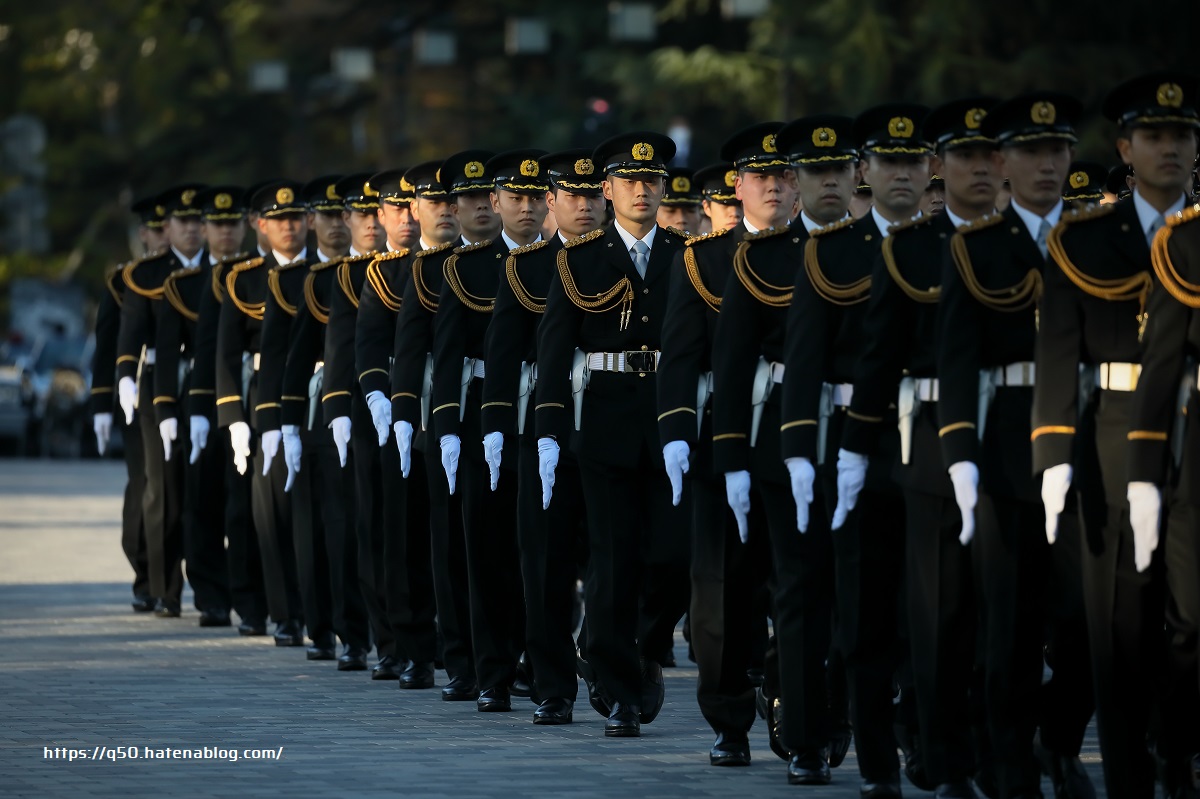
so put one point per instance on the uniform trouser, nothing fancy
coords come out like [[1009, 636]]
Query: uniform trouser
[[549, 568], [133, 533], [725, 611], [370, 527], [204, 523], [407, 556], [449, 548], [245, 562], [868, 549], [632, 530], [162, 502]]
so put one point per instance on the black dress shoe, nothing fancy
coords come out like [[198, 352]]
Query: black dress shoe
[[166, 609], [770, 710], [839, 742], [960, 789], [417, 675], [555, 710], [493, 700], [596, 695], [522, 685], [252, 627], [653, 692], [388, 668], [888, 789], [623, 723], [318, 652], [143, 603], [809, 768], [730, 749], [289, 633], [215, 617], [459, 689], [353, 658]]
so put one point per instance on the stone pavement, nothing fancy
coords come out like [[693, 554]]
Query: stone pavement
[[80, 671]]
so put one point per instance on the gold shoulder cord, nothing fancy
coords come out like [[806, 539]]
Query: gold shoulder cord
[[836, 293], [319, 311], [111, 275], [277, 292], [346, 285], [621, 294], [766, 293], [528, 300], [926, 296], [380, 285], [471, 301], [1007, 300], [427, 298], [693, 273], [252, 309], [172, 295], [1183, 291], [1134, 287], [716, 234], [127, 276], [218, 283]]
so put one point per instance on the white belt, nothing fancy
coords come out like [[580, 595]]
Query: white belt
[[777, 372], [1118, 376], [148, 357], [630, 361], [842, 394], [1021, 373], [318, 366], [477, 370], [251, 360], [927, 389]]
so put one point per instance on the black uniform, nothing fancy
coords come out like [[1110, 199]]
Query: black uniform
[[203, 507], [104, 372]]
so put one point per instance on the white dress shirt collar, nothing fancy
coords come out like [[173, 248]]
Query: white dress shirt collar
[[188, 263], [629, 239], [1033, 222], [1147, 213], [512, 245], [811, 224], [283, 260]]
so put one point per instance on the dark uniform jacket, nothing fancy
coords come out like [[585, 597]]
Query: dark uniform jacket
[[108, 327], [413, 342], [379, 301], [142, 307], [283, 301], [202, 395], [176, 337], [306, 348], [239, 332]]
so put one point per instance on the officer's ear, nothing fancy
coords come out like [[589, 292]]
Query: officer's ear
[[1125, 146], [261, 224], [495, 198], [606, 187]]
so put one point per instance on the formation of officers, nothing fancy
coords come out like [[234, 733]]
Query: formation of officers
[[945, 449]]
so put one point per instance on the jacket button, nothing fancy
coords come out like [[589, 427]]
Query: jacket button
[[644, 348], [645, 318], [645, 291]]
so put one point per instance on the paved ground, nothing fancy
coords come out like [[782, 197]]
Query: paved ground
[[80, 671]]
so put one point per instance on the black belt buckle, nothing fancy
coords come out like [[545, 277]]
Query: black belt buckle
[[640, 361]]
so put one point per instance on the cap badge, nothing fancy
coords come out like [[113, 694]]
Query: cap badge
[[160, 210], [405, 185], [824, 137], [473, 169], [1170, 95], [731, 177], [584, 166], [768, 143], [437, 176], [284, 196], [187, 196], [223, 201], [369, 190], [901, 128], [1043, 113], [529, 168], [331, 192], [1078, 180], [974, 118], [642, 151], [681, 185]]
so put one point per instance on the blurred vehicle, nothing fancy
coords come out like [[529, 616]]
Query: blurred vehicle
[[17, 398], [60, 373]]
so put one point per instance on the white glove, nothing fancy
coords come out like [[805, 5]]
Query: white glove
[[493, 447], [341, 436], [168, 431], [451, 448], [291, 453], [198, 431], [852, 476], [239, 439], [1145, 510], [965, 476], [547, 463], [102, 426], [270, 448], [127, 396], [1056, 481], [737, 494], [404, 434], [803, 476], [381, 414], [675, 456]]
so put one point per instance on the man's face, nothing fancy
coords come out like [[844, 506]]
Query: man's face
[[826, 189], [438, 220], [186, 234], [971, 176], [475, 215], [521, 214], [767, 197], [682, 217], [224, 236], [635, 200], [723, 216], [154, 239], [933, 201], [1162, 156], [401, 225], [366, 231], [897, 182], [285, 232], [333, 235], [1036, 171], [576, 213]]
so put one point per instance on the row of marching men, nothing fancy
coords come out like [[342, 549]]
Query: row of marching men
[[970, 499]]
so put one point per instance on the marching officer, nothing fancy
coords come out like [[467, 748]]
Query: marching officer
[[719, 203], [681, 201]]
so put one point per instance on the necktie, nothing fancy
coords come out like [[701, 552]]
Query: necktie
[[1155, 224], [641, 257], [1043, 232]]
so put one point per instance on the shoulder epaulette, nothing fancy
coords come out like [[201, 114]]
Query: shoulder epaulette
[[766, 234], [584, 239], [111, 276], [358, 259], [277, 289], [252, 309], [450, 273], [1186, 215], [479, 245], [379, 283], [716, 234], [827, 229], [172, 295], [433, 250], [981, 223], [127, 275], [390, 255], [909, 224], [537, 245], [233, 259], [287, 266], [321, 266], [683, 234], [1086, 213]]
